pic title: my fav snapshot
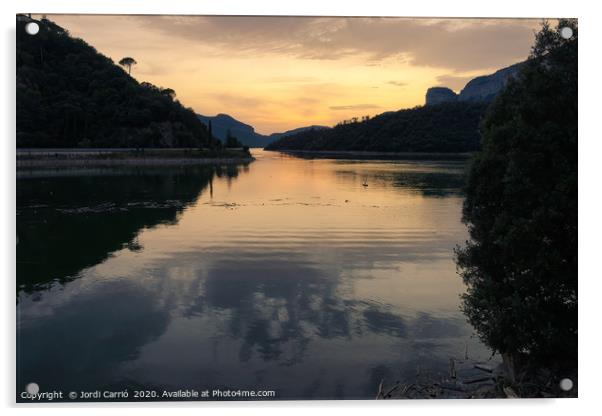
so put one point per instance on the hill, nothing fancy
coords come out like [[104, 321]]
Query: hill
[[448, 122], [276, 136], [447, 127], [69, 95]]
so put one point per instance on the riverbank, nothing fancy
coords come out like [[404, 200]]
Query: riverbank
[[352, 154], [74, 157], [467, 379], [473, 379]]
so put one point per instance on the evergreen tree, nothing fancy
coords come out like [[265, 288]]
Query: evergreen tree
[[520, 264]]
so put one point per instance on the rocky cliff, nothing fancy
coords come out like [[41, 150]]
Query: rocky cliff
[[438, 95], [479, 89], [486, 87]]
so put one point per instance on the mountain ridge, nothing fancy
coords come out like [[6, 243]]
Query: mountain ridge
[[245, 133], [481, 88], [447, 123]]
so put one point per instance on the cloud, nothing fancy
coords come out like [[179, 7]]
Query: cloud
[[278, 73], [457, 44], [229, 100], [290, 80], [354, 107]]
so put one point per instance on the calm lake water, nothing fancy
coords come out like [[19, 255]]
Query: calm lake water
[[287, 274]]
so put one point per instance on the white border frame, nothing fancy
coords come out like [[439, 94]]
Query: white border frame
[[590, 148]]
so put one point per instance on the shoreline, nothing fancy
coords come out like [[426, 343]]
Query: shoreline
[[99, 158], [361, 154]]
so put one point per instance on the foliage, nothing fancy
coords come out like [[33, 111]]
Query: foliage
[[128, 62], [70, 95], [446, 127], [520, 264], [231, 141]]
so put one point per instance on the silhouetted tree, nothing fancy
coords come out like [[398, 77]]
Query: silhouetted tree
[[520, 264], [128, 62], [232, 141], [168, 92]]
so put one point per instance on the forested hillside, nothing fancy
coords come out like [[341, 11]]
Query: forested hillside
[[447, 127], [69, 95]]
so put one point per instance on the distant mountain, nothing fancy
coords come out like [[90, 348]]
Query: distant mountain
[[480, 89], [69, 95], [222, 123]]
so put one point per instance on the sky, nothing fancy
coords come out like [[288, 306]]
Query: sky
[[280, 73]]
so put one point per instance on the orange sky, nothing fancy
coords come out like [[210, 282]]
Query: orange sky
[[279, 73]]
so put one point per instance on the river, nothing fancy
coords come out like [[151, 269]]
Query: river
[[315, 278]]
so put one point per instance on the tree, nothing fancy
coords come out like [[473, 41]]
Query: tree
[[128, 62], [520, 264], [232, 141], [169, 93]]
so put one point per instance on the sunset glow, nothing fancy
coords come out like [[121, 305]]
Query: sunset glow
[[279, 73]]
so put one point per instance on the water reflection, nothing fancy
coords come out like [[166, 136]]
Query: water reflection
[[293, 277], [70, 221], [428, 178]]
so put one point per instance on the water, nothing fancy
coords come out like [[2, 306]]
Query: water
[[287, 274]]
